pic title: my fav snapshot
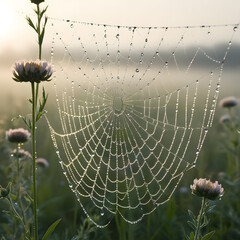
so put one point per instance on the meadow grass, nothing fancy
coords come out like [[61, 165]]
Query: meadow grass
[[56, 200]]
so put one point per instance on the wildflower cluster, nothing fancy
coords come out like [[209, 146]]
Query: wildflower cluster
[[37, 71]]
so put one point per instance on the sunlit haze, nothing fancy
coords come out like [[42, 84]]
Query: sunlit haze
[[18, 41]]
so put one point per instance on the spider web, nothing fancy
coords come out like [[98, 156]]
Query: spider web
[[135, 105]]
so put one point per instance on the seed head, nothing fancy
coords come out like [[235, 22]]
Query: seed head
[[228, 102], [18, 135], [205, 188], [37, 71]]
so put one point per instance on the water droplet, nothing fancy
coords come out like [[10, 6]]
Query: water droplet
[[117, 36], [157, 53], [142, 54], [219, 198], [12, 155], [137, 70], [57, 151], [194, 165], [146, 40], [166, 63], [118, 52], [209, 33], [71, 25], [102, 213], [67, 20], [235, 28], [197, 151], [71, 185], [206, 129]]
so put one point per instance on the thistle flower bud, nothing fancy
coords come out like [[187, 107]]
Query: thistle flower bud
[[18, 135], [5, 191], [207, 189], [37, 1], [37, 71], [228, 102]]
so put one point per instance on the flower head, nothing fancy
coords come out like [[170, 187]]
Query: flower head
[[37, 71], [42, 162], [21, 153], [205, 188], [228, 102], [18, 135], [225, 119], [37, 1]]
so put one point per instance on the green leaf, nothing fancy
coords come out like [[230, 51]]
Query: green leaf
[[208, 235], [41, 36], [31, 23], [191, 214], [28, 197], [8, 213], [27, 236], [191, 237], [13, 197], [51, 229], [211, 208], [42, 12], [192, 225], [205, 222]]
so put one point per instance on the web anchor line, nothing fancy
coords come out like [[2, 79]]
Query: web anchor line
[[134, 107]]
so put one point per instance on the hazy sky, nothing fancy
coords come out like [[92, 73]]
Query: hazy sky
[[123, 12], [16, 37]]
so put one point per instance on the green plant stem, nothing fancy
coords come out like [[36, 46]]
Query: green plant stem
[[34, 107], [39, 45], [39, 33], [34, 162], [15, 212], [18, 173], [199, 219]]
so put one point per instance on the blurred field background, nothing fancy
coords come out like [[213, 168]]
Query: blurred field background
[[215, 160]]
